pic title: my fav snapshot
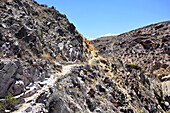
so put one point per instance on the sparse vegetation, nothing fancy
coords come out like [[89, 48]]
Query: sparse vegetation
[[53, 7], [88, 43], [135, 66], [46, 55], [8, 103], [2, 53], [102, 60]]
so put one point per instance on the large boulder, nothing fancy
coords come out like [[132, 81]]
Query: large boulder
[[6, 74], [56, 105]]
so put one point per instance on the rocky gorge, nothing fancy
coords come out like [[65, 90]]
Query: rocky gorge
[[48, 66]]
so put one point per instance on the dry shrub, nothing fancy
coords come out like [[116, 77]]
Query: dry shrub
[[102, 60]]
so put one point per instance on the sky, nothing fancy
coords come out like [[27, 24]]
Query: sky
[[96, 18]]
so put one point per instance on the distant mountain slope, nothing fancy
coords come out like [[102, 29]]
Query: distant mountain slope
[[147, 48], [144, 46]]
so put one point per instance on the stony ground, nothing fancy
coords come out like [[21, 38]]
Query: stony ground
[[48, 66], [146, 49]]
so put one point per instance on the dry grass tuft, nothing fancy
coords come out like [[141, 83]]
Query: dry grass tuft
[[46, 55], [102, 60], [88, 43]]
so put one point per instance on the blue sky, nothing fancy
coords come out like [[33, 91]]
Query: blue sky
[[95, 18]]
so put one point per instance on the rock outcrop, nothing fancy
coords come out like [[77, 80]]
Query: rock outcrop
[[48, 66]]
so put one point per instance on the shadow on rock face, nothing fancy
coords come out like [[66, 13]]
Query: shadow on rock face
[[57, 105]]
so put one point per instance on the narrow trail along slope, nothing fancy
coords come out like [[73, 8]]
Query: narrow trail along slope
[[38, 88], [49, 67]]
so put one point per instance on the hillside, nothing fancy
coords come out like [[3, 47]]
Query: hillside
[[47, 66], [146, 48]]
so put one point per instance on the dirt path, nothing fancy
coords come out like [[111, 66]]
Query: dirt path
[[35, 92]]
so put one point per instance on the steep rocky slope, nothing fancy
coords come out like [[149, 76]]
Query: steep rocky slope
[[35, 41], [36, 37], [146, 49], [48, 66]]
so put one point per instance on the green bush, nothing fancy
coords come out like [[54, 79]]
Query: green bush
[[8, 103], [135, 66]]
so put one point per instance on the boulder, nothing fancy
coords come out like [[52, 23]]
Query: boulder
[[21, 33], [57, 105], [6, 74], [17, 88], [166, 89]]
